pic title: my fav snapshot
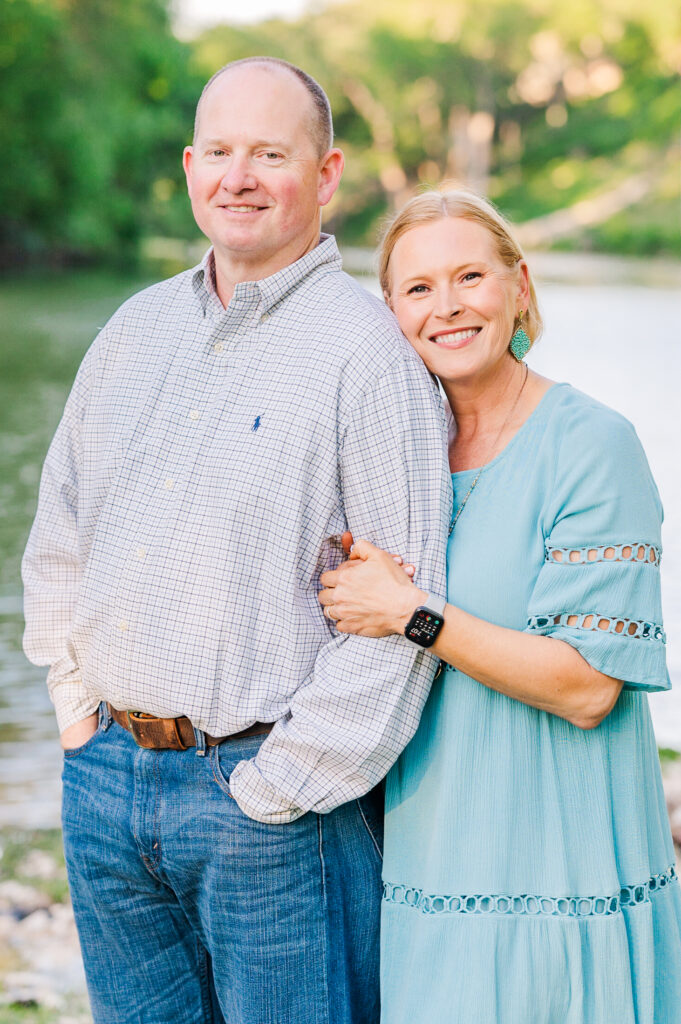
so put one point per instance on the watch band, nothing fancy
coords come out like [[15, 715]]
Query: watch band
[[435, 604]]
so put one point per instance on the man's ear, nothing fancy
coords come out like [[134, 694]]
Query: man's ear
[[330, 173], [187, 156]]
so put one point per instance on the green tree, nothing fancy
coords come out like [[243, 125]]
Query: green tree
[[538, 104], [98, 100]]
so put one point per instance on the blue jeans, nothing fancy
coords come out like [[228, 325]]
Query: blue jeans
[[188, 911]]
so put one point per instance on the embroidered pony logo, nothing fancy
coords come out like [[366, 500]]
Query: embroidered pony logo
[[256, 423]]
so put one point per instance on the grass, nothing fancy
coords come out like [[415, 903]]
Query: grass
[[18, 1014]]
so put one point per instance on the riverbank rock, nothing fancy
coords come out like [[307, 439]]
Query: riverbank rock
[[40, 961], [20, 900], [39, 864], [45, 944]]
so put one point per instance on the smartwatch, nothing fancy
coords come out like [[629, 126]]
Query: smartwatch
[[426, 622]]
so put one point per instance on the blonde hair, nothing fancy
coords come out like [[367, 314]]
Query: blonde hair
[[459, 202]]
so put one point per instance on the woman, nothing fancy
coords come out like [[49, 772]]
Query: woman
[[529, 869]]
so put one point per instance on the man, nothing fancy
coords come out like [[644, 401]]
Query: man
[[221, 739]]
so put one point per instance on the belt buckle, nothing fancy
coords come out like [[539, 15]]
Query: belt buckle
[[133, 720], [172, 741]]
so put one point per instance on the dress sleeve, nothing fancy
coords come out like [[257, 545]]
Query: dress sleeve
[[599, 587]]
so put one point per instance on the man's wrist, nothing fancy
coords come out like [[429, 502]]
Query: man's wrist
[[72, 704], [258, 798]]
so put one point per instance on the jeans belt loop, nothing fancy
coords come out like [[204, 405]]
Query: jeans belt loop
[[105, 718], [200, 737]]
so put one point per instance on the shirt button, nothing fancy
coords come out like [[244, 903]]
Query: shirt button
[[123, 625], [193, 414], [265, 316], [141, 553], [218, 346], [169, 484]]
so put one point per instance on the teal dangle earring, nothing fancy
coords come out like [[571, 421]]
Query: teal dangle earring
[[520, 343]]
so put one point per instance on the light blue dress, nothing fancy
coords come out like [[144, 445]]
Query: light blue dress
[[529, 868]]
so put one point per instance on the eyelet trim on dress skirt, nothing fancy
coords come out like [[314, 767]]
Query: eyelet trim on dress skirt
[[528, 905], [634, 551], [635, 629]]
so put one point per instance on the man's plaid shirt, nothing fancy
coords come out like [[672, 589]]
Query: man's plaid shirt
[[206, 464]]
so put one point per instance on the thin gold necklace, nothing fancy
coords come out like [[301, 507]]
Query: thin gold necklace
[[491, 455]]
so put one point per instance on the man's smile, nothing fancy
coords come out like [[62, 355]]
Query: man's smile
[[241, 208]]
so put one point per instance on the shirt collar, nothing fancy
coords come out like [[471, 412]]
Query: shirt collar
[[268, 292]]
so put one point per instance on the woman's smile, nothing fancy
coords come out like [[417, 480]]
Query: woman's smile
[[455, 337]]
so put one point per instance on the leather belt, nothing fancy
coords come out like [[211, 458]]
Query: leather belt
[[173, 733]]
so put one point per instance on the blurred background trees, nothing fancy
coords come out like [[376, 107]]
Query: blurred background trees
[[566, 115], [96, 99]]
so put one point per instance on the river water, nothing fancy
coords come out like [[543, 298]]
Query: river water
[[612, 328]]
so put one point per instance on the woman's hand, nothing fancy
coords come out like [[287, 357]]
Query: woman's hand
[[371, 594], [347, 541]]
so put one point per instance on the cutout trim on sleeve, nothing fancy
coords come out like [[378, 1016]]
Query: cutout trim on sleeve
[[636, 629], [635, 551]]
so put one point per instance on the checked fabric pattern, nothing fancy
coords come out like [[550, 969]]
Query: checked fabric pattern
[[206, 464]]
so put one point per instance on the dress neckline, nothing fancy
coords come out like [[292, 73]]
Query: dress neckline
[[541, 405]]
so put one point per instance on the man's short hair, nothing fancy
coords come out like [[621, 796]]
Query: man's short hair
[[321, 128]]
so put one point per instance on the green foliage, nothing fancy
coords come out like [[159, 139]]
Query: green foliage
[[535, 103], [538, 104], [98, 100], [18, 1014]]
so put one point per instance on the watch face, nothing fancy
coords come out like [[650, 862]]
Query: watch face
[[423, 627]]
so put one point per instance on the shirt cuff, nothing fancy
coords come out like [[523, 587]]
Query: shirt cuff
[[71, 703], [258, 799]]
